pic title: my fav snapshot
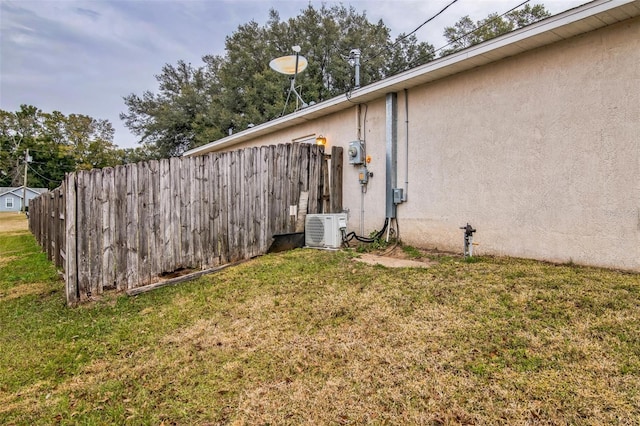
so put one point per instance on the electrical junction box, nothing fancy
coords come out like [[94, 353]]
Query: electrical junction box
[[355, 152], [342, 222], [324, 230], [363, 176], [398, 195]]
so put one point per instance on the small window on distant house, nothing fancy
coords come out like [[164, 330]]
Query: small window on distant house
[[9, 202]]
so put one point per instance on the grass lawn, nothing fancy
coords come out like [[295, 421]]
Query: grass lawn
[[312, 337]]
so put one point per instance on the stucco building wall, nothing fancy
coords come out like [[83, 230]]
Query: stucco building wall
[[540, 152]]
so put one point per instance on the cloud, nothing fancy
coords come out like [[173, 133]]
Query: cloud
[[92, 14], [82, 57]]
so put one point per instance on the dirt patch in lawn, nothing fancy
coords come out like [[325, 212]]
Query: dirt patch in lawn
[[393, 261], [23, 290]]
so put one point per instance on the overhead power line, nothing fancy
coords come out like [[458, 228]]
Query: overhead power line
[[412, 32], [412, 64], [425, 22], [43, 177]]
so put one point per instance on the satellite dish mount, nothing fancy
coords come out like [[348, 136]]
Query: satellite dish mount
[[291, 65]]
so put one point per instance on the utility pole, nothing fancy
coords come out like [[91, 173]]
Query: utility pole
[[24, 187]]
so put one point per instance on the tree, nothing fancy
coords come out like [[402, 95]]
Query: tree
[[466, 33], [91, 141], [57, 144], [17, 133], [169, 120], [140, 153], [195, 105], [408, 53]]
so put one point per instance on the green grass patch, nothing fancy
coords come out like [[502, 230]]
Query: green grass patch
[[315, 337], [411, 252]]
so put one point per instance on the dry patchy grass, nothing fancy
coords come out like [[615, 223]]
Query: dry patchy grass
[[309, 337], [13, 223], [23, 290]]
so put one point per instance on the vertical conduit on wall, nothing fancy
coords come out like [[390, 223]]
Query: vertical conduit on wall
[[359, 137], [392, 156], [406, 149]]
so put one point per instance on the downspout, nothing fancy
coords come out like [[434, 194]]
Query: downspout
[[392, 156]]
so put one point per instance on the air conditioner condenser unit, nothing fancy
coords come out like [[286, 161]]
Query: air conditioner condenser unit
[[324, 230]]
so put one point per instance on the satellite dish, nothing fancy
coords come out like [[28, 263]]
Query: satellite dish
[[291, 65], [287, 64]]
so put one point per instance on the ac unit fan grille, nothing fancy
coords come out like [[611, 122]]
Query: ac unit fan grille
[[315, 230]]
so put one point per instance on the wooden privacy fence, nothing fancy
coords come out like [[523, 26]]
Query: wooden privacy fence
[[125, 227], [46, 223]]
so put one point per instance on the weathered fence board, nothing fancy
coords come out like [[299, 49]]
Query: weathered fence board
[[155, 216], [315, 181], [336, 180], [263, 188], [214, 211], [120, 231], [132, 240], [83, 234], [176, 214], [108, 225], [125, 227], [71, 259], [225, 202], [95, 232], [326, 192], [143, 224]]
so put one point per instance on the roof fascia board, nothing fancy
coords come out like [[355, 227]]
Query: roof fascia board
[[546, 25], [18, 191]]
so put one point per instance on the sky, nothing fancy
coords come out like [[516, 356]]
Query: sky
[[84, 56]]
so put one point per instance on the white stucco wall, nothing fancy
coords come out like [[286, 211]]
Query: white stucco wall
[[540, 152]]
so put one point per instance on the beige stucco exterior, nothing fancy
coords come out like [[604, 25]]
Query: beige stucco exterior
[[540, 152]]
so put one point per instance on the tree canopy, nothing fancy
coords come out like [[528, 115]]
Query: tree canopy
[[466, 33], [195, 105], [57, 144]]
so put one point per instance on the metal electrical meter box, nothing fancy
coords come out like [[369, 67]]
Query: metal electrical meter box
[[356, 152]]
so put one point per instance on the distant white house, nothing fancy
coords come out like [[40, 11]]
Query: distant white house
[[11, 197]]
